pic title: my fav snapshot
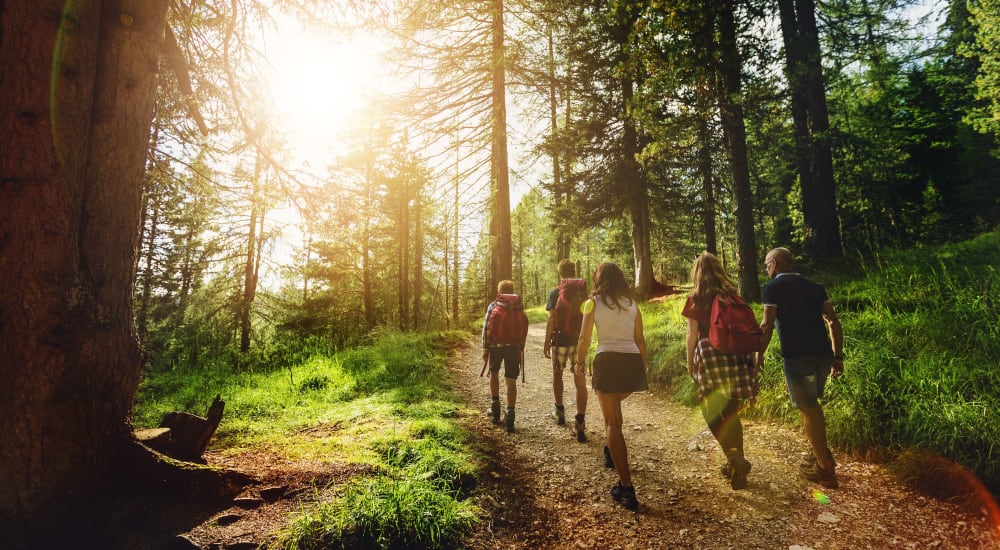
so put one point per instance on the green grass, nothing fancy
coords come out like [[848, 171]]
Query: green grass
[[922, 348], [386, 405]]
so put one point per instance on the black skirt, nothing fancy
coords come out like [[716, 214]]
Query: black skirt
[[616, 372]]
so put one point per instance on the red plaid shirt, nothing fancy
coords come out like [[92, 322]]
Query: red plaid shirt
[[732, 375]]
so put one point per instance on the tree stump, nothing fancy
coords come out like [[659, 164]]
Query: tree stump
[[182, 435]]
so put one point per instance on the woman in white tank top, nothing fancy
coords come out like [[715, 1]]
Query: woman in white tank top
[[619, 366]]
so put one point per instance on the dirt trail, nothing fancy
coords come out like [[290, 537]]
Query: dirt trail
[[545, 490]]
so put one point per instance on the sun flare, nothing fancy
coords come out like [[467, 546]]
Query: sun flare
[[318, 85]]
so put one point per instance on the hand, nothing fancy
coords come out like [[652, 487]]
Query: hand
[[546, 350], [486, 354], [837, 370]]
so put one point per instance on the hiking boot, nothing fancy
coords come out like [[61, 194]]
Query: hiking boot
[[495, 412], [508, 420], [559, 415], [817, 474], [608, 462], [727, 470], [808, 458], [738, 480], [580, 430], [625, 496]]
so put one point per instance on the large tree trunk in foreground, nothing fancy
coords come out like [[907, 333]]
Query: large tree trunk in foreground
[[71, 168]]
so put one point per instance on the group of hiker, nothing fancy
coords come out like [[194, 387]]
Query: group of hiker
[[724, 353]]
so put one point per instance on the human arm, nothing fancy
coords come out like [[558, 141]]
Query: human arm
[[550, 326], [640, 337], [836, 337], [586, 332], [485, 335], [692, 339], [767, 328]]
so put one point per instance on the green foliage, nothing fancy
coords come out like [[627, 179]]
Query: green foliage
[[338, 405], [985, 15], [383, 512]]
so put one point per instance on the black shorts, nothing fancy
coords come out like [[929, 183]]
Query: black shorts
[[510, 356], [616, 372]]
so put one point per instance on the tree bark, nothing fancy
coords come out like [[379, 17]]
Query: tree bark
[[249, 269], [503, 256], [734, 127], [71, 168], [814, 158], [706, 171]]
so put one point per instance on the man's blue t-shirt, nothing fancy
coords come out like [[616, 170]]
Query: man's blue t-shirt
[[801, 327]]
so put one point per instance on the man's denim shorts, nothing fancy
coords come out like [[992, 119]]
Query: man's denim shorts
[[806, 377]]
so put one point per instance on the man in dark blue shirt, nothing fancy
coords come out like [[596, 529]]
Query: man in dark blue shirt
[[811, 347]]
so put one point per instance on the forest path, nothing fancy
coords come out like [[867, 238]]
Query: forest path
[[544, 490]]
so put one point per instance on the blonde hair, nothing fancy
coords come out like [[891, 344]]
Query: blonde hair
[[505, 286], [709, 279]]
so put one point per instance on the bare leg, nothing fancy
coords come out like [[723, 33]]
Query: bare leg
[[494, 383], [511, 391], [611, 408], [814, 424], [557, 382], [580, 381]]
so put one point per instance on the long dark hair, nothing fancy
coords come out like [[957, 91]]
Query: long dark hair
[[709, 279], [612, 288]]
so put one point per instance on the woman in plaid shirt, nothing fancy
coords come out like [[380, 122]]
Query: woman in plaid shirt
[[726, 383]]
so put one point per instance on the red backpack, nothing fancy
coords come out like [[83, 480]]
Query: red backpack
[[733, 328], [569, 318], [507, 324]]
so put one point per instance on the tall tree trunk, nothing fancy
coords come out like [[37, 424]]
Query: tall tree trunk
[[564, 245], [502, 253], [638, 202], [366, 252], [705, 168], [307, 267], [454, 254], [71, 168], [634, 183], [418, 259], [735, 130], [249, 269], [814, 158], [560, 197], [403, 254]]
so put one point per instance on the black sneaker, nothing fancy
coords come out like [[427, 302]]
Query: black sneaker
[[738, 476], [625, 496], [580, 430], [559, 415], [495, 412], [608, 462], [508, 420]]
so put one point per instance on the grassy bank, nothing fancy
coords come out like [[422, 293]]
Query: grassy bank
[[922, 347], [387, 407]]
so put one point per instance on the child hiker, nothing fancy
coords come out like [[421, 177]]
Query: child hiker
[[505, 330]]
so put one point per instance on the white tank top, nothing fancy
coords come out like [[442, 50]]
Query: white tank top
[[615, 327]]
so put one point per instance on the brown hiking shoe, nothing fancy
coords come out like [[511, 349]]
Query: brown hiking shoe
[[817, 474]]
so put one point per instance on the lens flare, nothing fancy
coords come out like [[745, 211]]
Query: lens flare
[[821, 497]]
